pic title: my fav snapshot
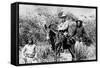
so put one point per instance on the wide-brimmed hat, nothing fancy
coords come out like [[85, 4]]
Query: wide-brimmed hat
[[61, 15]]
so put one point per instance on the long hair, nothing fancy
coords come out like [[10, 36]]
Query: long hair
[[30, 41], [79, 23]]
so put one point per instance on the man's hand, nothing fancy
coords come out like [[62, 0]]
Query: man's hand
[[65, 33]]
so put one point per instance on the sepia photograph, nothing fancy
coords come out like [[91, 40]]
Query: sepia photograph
[[56, 34]]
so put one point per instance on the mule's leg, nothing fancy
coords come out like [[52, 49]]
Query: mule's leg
[[73, 50], [55, 53], [72, 53], [58, 49]]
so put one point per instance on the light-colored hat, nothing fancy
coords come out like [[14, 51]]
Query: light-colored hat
[[61, 15]]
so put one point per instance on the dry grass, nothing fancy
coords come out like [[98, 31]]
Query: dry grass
[[84, 52], [44, 53]]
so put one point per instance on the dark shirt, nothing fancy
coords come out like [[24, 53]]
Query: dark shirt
[[79, 32]]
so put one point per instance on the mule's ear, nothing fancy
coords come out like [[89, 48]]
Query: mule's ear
[[49, 26], [45, 26]]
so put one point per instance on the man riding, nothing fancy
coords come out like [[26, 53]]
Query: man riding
[[63, 29]]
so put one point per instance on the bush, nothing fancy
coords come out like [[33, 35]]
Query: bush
[[44, 53], [84, 52]]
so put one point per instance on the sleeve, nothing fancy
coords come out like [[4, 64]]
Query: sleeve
[[67, 28], [84, 32], [24, 49], [74, 33]]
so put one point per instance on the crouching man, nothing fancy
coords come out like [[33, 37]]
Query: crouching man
[[29, 52]]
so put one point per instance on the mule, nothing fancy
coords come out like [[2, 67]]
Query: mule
[[59, 41]]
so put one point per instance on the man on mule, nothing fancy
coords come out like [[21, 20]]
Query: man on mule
[[63, 28], [68, 42]]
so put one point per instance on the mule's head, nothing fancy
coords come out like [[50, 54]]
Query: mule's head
[[47, 29]]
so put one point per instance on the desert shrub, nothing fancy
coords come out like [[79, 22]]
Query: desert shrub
[[84, 52], [44, 53], [29, 29], [90, 28]]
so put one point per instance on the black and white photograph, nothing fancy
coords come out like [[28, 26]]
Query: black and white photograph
[[56, 34]]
